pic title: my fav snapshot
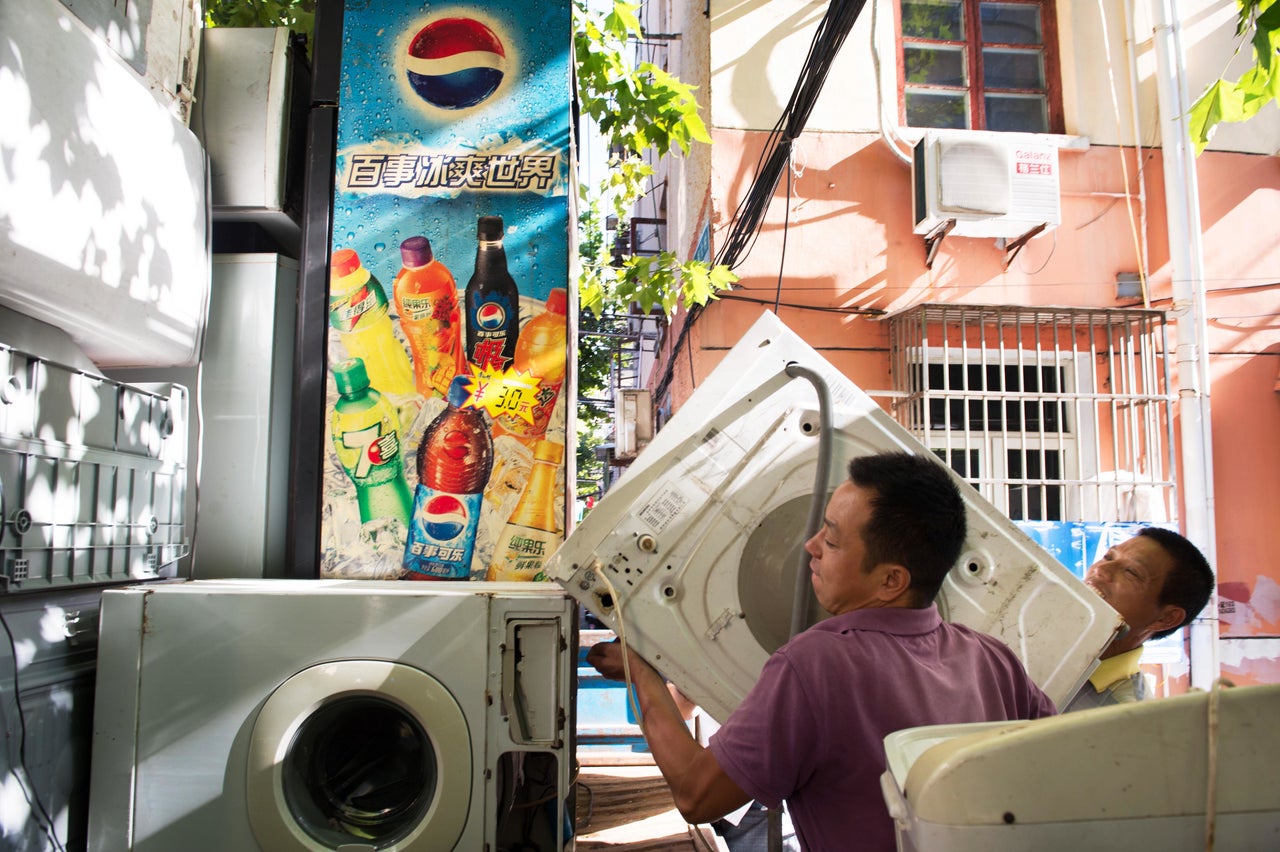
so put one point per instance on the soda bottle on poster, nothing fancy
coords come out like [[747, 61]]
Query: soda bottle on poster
[[492, 302], [366, 437], [540, 352], [533, 532], [358, 311], [455, 459], [426, 298]]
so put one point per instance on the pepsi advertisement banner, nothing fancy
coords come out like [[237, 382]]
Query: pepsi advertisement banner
[[449, 292]]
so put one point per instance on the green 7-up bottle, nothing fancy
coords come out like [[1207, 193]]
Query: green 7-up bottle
[[366, 437]]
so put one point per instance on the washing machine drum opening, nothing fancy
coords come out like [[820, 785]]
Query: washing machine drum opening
[[360, 767], [360, 754]]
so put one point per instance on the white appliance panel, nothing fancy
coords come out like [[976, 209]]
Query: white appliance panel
[[692, 556], [219, 701], [238, 450], [1141, 775], [244, 115], [102, 194]]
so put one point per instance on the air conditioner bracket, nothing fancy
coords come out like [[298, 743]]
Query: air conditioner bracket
[[933, 240], [1012, 247]]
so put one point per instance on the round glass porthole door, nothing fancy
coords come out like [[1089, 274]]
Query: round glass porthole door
[[359, 767], [359, 753]]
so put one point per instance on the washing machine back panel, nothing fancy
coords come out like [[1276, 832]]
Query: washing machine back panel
[[186, 669], [694, 553]]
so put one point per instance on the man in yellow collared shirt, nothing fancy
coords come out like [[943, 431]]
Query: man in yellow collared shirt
[[1158, 581]]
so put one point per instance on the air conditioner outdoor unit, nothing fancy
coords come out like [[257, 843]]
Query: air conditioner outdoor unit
[[990, 184], [633, 422]]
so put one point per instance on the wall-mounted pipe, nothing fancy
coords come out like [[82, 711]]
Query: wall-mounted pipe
[[1186, 251], [900, 147]]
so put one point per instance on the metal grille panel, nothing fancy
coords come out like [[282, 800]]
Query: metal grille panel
[[1054, 414]]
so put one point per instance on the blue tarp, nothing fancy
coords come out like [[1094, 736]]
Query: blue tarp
[[1079, 544]]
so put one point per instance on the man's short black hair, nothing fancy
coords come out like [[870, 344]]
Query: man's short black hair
[[1190, 581], [917, 517]]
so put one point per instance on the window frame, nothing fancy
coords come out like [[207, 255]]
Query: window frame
[[976, 114], [987, 445]]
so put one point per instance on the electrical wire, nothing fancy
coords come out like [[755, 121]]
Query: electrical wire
[[32, 796], [1124, 163], [748, 219], [865, 312], [693, 378], [622, 639], [782, 255], [1053, 247]]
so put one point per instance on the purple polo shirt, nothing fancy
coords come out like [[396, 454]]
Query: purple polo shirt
[[812, 729]]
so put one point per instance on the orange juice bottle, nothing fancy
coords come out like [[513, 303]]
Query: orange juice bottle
[[540, 352], [426, 299]]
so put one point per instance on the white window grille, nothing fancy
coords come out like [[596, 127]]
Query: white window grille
[[1053, 414]]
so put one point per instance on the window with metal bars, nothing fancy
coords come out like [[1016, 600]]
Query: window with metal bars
[[980, 65], [1010, 406], [1053, 414]]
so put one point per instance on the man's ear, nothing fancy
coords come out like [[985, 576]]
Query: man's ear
[[894, 582], [1170, 617]]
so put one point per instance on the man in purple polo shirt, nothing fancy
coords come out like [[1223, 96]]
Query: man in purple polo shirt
[[812, 729]]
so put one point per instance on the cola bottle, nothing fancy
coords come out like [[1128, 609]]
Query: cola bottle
[[492, 302], [455, 459]]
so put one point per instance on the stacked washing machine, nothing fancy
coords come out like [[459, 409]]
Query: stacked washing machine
[[319, 715]]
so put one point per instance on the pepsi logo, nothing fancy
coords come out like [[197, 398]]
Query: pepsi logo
[[455, 63], [445, 518], [490, 316]]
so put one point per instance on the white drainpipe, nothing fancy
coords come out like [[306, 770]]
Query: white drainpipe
[[1182, 203]]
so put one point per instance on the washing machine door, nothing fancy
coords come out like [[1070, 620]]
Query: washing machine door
[[356, 755], [693, 555]]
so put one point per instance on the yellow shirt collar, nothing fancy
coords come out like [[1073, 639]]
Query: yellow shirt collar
[[1116, 668]]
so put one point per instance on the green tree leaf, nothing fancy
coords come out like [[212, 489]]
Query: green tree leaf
[[297, 15], [1258, 22], [641, 109], [1207, 112]]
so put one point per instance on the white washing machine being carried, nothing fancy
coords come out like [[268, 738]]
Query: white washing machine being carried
[[285, 715]]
